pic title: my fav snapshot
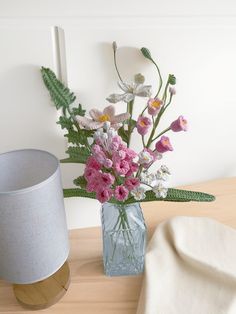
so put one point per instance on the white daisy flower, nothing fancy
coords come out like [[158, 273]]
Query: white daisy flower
[[130, 91], [138, 193], [160, 191]]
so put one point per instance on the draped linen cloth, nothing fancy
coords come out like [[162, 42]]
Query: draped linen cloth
[[190, 268]]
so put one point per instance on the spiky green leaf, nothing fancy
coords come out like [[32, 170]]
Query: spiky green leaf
[[81, 182], [77, 154], [79, 137], [78, 111], [60, 94], [65, 123]]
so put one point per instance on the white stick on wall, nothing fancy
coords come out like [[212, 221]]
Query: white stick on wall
[[59, 53]]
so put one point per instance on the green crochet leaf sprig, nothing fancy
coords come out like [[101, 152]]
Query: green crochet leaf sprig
[[173, 195], [63, 98]]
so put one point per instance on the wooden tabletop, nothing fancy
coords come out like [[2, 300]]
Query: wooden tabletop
[[91, 292]]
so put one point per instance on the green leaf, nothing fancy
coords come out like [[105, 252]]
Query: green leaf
[[174, 195], [78, 193], [60, 94], [133, 124], [123, 134], [78, 111], [79, 137], [81, 182], [77, 154], [65, 123]]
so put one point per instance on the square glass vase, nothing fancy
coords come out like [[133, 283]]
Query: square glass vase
[[124, 239]]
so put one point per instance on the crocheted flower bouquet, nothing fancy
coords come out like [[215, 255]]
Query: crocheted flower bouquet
[[114, 172]]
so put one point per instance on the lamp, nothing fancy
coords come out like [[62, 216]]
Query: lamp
[[33, 234]]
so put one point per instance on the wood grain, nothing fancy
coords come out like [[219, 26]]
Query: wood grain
[[90, 291]]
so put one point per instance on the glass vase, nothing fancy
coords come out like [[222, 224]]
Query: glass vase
[[124, 239]]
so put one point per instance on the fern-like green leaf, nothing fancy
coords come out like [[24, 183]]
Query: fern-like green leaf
[[65, 123], [81, 182], [78, 154], [60, 94], [78, 111]]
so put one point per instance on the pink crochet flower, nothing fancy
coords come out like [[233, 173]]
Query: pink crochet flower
[[179, 125], [89, 173], [92, 185], [164, 145], [96, 149], [152, 154], [130, 153], [104, 195], [121, 166], [115, 143], [93, 163], [107, 163], [106, 179], [99, 117], [154, 106], [133, 167], [121, 193], [143, 125], [132, 183]]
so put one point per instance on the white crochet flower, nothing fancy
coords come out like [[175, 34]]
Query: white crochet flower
[[145, 158], [130, 91], [160, 191], [163, 173], [138, 193]]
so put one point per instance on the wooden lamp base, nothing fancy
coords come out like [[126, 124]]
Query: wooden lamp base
[[42, 294]]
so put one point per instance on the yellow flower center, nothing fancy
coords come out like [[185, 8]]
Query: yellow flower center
[[142, 123], [156, 104], [165, 142], [104, 118]]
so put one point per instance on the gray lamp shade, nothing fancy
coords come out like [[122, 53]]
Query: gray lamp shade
[[33, 232]]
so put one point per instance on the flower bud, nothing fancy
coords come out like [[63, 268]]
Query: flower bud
[[172, 79], [172, 90], [114, 46], [139, 78], [106, 125], [146, 53]]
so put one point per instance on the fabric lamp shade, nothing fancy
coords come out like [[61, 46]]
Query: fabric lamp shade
[[33, 231]]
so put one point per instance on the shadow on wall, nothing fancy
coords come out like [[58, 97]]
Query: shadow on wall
[[29, 116], [129, 60]]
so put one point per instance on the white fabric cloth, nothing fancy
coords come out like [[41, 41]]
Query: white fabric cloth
[[190, 268]]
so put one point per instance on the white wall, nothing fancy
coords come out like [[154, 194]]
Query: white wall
[[195, 40]]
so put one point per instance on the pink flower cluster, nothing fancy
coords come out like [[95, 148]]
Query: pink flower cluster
[[109, 172]]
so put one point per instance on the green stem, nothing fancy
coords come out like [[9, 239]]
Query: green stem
[[130, 111], [163, 132], [116, 67], [159, 73], [143, 141], [144, 110], [163, 109]]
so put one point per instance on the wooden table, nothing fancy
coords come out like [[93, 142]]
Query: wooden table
[[90, 291]]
